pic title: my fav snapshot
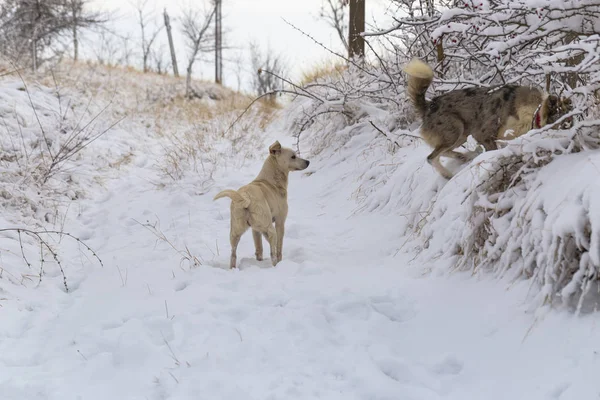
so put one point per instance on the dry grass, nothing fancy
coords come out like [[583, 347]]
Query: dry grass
[[323, 69], [188, 129], [125, 159]]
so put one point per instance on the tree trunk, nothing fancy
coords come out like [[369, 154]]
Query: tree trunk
[[75, 39], [188, 80], [145, 61], [171, 46], [440, 55], [572, 78], [218, 43], [144, 50], [34, 60], [356, 25]]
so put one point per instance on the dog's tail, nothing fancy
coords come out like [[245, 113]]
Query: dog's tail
[[236, 197], [420, 76]]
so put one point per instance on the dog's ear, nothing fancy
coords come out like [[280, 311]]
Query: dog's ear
[[275, 148]]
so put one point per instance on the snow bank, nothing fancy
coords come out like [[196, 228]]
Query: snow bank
[[69, 131], [523, 212]]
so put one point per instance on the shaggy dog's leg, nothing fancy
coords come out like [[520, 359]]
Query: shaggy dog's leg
[[434, 160], [489, 144], [258, 245], [456, 155]]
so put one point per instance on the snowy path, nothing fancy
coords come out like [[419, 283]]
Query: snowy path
[[339, 318]]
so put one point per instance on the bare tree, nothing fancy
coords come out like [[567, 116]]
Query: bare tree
[[80, 18], [334, 14], [160, 63], [33, 29], [110, 47], [269, 69], [195, 24], [148, 34], [126, 49], [106, 48], [239, 61]]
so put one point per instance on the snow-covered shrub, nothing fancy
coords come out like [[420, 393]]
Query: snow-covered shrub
[[526, 211], [360, 96], [52, 153], [44, 133]]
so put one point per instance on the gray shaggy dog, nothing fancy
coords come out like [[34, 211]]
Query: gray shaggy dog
[[487, 114]]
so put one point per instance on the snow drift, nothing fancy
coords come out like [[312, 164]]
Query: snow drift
[[526, 211]]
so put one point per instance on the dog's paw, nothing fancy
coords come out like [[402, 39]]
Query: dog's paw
[[471, 155], [462, 158], [446, 175]]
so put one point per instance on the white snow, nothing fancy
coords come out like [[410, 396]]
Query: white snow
[[345, 315]]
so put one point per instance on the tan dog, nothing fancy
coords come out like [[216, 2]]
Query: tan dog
[[263, 202]]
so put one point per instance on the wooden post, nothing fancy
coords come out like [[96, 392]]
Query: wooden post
[[356, 25], [169, 34]]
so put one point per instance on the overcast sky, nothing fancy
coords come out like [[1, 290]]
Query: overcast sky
[[252, 20]]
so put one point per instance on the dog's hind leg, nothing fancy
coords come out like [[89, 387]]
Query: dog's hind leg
[[235, 240], [258, 244], [434, 160], [238, 227], [489, 144], [456, 155]]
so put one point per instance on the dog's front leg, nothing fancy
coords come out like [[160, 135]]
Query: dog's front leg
[[258, 244], [489, 144], [271, 235], [280, 228]]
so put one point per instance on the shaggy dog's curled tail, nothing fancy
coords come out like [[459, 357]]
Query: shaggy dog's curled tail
[[420, 76], [244, 200]]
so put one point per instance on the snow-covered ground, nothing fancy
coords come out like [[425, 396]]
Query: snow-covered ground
[[345, 315]]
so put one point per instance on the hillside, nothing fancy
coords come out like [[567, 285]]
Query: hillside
[[367, 303]]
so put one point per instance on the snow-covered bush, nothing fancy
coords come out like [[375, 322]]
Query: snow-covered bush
[[44, 133], [51, 156], [526, 211], [361, 95]]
